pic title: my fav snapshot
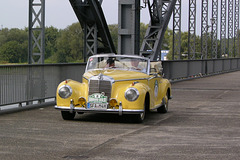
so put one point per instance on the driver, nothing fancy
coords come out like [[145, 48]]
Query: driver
[[110, 63]]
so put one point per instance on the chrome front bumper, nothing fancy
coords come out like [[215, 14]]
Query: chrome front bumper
[[119, 111]]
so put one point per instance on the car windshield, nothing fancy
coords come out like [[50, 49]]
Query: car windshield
[[133, 63]]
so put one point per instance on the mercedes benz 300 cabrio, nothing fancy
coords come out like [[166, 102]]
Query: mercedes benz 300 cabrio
[[118, 84]]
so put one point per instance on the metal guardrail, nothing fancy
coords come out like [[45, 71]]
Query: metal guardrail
[[27, 84], [188, 69], [23, 85]]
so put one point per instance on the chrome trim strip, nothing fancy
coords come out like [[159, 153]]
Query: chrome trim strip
[[115, 55], [101, 77], [131, 79], [113, 81], [151, 78], [121, 69], [85, 78], [125, 79], [114, 111]]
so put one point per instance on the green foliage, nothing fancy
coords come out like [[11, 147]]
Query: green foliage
[[51, 36], [70, 44], [113, 28], [184, 47], [61, 46], [143, 29], [13, 45], [12, 52]]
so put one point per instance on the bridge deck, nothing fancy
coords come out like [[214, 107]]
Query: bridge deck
[[203, 123]]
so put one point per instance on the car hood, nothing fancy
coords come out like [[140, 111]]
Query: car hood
[[116, 74]]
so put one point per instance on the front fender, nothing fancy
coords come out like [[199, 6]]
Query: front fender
[[119, 94], [78, 90]]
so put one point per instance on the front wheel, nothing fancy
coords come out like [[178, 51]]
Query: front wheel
[[139, 118], [66, 115]]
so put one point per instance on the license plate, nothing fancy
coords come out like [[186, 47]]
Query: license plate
[[97, 106], [97, 101]]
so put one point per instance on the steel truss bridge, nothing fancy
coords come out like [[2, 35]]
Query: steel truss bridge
[[25, 84], [221, 18]]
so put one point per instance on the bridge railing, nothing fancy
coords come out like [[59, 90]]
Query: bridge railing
[[23, 85], [187, 69]]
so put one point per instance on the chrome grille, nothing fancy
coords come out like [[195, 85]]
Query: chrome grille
[[99, 86]]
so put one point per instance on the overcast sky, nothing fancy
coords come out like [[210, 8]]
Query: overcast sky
[[59, 13]]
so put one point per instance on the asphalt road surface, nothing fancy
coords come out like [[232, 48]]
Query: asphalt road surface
[[202, 123]]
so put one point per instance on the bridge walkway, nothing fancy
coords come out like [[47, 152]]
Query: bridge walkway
[[202, 123]]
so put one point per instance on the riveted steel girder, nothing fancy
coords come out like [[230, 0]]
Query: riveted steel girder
[[214, 32], [236, 29], [91, 17], [230, 28], [177, 30], [36, 47], [192, 30], [160, 13], [204, 29], [223, 27]]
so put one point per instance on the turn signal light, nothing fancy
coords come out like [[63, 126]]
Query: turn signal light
[[113, 103], [82, 102]]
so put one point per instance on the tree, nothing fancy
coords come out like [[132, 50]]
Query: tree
[[70, 43], [12, 52], [51, 36], [113, 29], [143, 29], [13, 45]]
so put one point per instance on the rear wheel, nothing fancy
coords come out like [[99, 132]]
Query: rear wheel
[[66, 115], [164, 107]]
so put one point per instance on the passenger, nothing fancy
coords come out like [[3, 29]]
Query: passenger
[[136, 66], [135, 63]]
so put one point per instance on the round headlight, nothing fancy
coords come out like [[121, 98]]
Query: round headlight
[[65, 91], [131, 94]]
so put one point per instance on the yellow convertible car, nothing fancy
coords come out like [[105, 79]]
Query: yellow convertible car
[[118, 84]]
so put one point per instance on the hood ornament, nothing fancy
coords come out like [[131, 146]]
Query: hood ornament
[[100, 76]]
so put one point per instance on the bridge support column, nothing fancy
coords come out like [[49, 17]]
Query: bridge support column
[[204, 30], [129, 27], [223, 27], [36, 47], [91, 41], [236, 29], [177, 30], [230, 29], [192, 30]]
